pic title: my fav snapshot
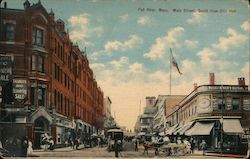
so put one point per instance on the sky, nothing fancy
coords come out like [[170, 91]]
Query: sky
[[128, 45]]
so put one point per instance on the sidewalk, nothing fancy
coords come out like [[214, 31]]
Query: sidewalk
[[63, 149]]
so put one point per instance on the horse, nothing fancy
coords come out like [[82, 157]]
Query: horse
[[153, 146]]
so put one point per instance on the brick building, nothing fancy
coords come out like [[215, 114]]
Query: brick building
[[46, 83]]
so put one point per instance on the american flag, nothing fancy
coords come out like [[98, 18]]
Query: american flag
[[174, 63]]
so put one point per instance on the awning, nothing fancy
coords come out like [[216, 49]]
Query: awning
[[184, 128], [232, 126], [200, 128], [171, 130]]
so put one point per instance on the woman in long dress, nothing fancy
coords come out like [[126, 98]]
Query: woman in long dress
[[30, 150]]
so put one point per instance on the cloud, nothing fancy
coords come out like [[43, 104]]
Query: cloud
[[144, 20], [115, 45], [191, 44], [245, 69], [132, 42], [124, 18], [136, 68], [197, 18], [82, 30], [118, 64], [233, 39], [188, 66], [246, 26], [206, 56], [158, 49], [96, 66], [159, 76]]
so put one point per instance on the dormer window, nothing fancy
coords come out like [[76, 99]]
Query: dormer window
[[38, 37]]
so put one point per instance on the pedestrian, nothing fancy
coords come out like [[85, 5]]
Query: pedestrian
[[116, 147], [24, 146], [1, 146], [203, 146], [145, 145], [51, 144], [136, 144], [30, 149], [179, 141]]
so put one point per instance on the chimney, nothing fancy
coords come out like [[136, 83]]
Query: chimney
[[211, 79], [241, 81], [195, 86]]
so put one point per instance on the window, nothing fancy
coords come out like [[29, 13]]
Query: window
[[41, 64], [37, 37], [221, 104], [10, 31], [41, 96], [55, 46], [55, 71], [55, 95], [33, 63], [32, 95], [65, 80], [236, 104], [59, 101]]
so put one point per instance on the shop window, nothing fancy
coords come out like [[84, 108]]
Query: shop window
[[41, 64], [38, 36], [236, 104], [41, 96], [10, 31]]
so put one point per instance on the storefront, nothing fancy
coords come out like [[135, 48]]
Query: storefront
[[64, 129]]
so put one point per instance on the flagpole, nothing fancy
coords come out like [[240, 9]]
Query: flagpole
[[170, 67]]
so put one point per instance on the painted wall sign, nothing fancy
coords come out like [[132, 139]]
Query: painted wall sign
[[6, 64], [19, 89]]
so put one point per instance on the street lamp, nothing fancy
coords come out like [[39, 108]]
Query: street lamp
[[221, 122]]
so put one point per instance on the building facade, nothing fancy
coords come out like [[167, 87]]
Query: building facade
[[46, 83], [218, 114], [164, 106], [145, 121]]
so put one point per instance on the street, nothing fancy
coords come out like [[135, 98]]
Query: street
[[102, 152]]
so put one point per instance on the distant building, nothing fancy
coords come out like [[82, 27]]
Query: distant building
[[164, 106], [107, 106], [109, 120], [145, 121], [47, 85]]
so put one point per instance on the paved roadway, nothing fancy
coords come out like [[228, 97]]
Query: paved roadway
[[98, 152]]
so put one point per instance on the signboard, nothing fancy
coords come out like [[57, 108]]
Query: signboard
[[204, 104], [227, 88], [6, 63], [19, 89]]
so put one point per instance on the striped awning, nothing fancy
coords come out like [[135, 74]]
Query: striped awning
[[171, 130], [184, 128]]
